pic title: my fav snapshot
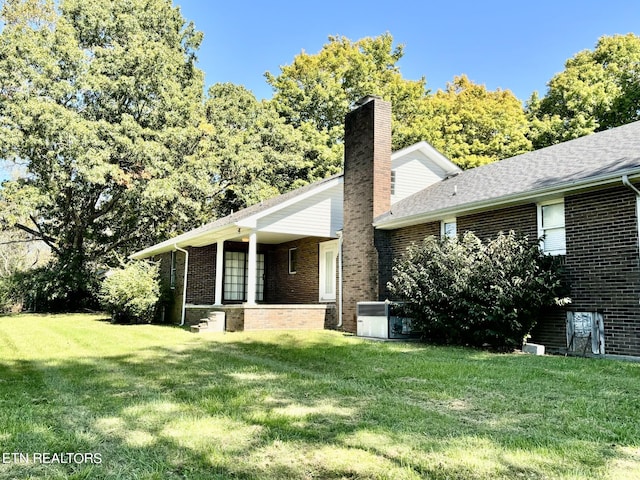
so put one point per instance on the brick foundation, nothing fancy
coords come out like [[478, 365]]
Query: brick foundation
[[272, 317]]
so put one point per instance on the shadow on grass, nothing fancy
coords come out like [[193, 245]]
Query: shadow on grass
[[325, 408]]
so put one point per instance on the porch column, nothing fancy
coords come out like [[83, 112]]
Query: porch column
[[252, 270], [219, 271]]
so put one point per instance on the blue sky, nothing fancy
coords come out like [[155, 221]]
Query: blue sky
[[507, 44]]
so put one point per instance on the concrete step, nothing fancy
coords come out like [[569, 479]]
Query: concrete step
[[206, 325]]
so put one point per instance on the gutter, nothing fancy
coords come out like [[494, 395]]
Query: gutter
[[390, 223], [184, 281]]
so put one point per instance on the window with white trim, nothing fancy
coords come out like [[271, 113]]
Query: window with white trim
[[328, 256], [236, 269], [551, 227], [293, 260], [449, 228]]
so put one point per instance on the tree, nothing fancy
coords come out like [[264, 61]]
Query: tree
[[319, 90], [468, 123], [101, 103], [598, 89], [255, 153], [471, 125]]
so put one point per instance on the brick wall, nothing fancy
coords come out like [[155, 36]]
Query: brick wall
[[201, 284], [392, 245], [277, 317], [173, 310], [295, 288], [367, 194], [487, 225], [602, 263]]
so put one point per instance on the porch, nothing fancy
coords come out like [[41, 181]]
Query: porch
[[267, 317]]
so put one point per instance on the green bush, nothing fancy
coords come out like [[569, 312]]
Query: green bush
[[10, 300], [132, 293], [58, 286], [466, 292]]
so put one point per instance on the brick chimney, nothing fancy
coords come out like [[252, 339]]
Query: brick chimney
[[367, 194]]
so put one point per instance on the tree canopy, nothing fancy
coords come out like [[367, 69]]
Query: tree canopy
[[598, 89], [468, 123], [471, 125], [318, 90], [255, 153], [101, 103]]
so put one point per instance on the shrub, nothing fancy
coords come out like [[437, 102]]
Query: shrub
[[10, 300], [57, 287], [130, 294], [466, 292]]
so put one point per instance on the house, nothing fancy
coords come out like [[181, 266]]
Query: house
[[304, 259], [279, 260]]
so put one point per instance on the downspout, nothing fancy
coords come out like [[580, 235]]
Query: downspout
[[627, 183], [184, 282], [339, 325]]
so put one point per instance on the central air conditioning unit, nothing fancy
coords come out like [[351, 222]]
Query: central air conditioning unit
[[383, 320]]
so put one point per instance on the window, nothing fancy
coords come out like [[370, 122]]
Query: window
[[293, 260], [173, 269], [551, 227], [328, 270], [393, 182], [235, 276], [449, 228]]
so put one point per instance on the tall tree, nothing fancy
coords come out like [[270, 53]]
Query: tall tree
[[597, 90], [471, 125], [256, 153], [318, 90], [468, 123], [101, 103]]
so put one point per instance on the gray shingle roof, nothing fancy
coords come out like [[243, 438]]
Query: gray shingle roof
[[567, 165]]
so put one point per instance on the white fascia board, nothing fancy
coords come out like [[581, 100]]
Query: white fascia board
[[506, 201], [252, 221], [185, 240]]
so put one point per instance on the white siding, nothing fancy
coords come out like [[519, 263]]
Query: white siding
[[319, 215], [414, 172]]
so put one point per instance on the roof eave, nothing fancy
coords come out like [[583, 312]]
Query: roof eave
[[188, 238], [508, 200]]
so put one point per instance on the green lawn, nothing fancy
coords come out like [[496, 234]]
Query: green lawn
[[153, 402]]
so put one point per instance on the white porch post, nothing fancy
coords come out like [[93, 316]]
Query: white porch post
[[219, 271], [252, 270]]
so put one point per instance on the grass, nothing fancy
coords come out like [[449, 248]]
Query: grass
[[160, 403]]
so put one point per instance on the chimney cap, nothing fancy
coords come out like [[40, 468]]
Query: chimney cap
[[367, 99]]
